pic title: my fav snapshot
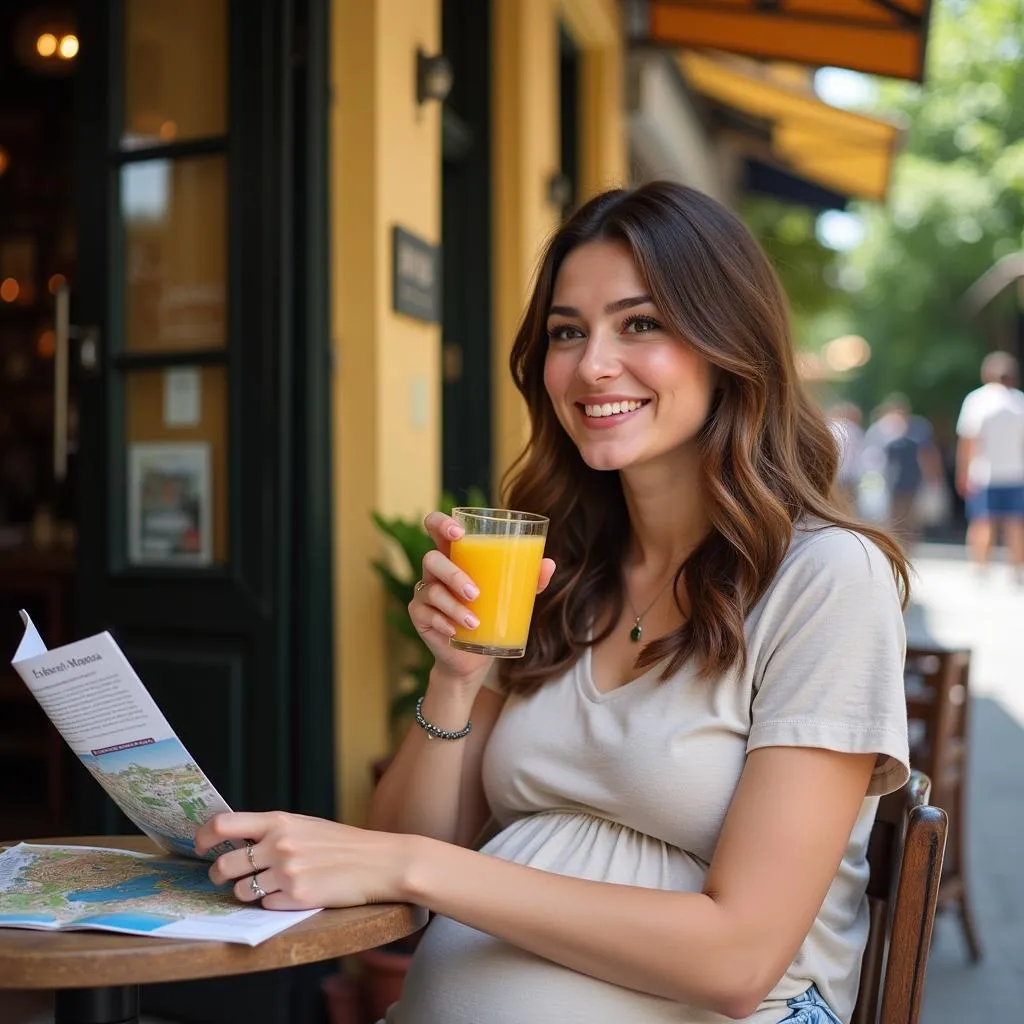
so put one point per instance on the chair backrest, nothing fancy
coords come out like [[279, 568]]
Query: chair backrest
[[938, 707], [905, 853]]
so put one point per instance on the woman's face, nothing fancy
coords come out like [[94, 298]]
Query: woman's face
[[626, 390]]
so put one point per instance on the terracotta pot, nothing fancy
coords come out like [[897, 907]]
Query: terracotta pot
[[342, 996], [381, 977]]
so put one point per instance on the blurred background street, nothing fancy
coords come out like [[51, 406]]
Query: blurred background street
[[954, 606]]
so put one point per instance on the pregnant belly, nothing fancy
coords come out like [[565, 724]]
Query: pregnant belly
[[463, 976]]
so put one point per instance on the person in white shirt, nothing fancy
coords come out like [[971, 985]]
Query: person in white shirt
[[990, 461]]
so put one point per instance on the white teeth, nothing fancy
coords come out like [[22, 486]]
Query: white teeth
[[612, 408]]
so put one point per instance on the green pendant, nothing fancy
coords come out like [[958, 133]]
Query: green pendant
[[636, 632]]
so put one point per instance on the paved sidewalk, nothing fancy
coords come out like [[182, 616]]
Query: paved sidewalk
[[954, 605]]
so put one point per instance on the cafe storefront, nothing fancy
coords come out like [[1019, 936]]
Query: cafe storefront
[[266, 261]]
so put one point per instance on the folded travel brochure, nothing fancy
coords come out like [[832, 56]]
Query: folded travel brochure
[[99, 705]]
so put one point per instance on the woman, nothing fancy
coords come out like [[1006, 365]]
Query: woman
[[711, 700]]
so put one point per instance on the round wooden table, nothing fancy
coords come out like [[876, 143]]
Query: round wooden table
[[97, 974]]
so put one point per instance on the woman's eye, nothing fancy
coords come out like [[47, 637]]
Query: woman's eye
[[640, 325], [564, 332]]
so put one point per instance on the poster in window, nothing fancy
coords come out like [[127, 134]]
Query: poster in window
[[169, 504]]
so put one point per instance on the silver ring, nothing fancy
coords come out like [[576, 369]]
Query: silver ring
[[257, 890], [248, 853], [420, 584]]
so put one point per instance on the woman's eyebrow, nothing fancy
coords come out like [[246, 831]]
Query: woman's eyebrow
[[613, 307]]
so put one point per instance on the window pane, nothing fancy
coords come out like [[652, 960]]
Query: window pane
[[176, 62], [176, 430], [175, 247]]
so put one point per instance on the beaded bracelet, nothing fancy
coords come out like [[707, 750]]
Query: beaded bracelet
[[433, 731]]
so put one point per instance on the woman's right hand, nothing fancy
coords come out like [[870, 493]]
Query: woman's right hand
[[444, 598]]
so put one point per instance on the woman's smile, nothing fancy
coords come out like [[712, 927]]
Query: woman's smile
[[604, 412]]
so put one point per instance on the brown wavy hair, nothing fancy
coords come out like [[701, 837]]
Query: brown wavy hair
[[768, 458]]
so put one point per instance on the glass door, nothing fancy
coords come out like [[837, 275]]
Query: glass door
[[191, 372]]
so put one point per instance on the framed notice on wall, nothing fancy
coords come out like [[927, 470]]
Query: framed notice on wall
[[415, 276], [169, 504]]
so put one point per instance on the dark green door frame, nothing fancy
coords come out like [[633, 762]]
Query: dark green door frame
[[312, 491], [466, 241]]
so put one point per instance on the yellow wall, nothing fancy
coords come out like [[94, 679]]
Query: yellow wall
[[385, 170], [525, 149]]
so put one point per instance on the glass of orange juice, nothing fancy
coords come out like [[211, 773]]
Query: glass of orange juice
[[501, 553]]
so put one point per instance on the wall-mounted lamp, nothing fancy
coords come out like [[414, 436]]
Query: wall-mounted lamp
[[45, 39], [433, 77]]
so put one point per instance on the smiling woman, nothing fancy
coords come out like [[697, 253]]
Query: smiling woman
[[661, 296], [682, 824]]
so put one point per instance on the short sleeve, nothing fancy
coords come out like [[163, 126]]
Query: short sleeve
[[834, 644], [968, 423]]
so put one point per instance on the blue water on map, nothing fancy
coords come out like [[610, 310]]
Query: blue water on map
[[167, 874], [25, 918], [140, 922]]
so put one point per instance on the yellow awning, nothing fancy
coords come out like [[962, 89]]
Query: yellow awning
[[882, 37], [838, 149]]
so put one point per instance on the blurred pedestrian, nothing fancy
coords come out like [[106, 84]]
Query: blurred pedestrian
[[990, 461], [902, 446], [844, 419]]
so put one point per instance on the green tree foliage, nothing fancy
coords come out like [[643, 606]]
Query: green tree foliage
[[806, 268], [956, 206]]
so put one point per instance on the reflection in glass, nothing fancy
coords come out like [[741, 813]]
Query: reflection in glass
[[176, 62], [175, 254]]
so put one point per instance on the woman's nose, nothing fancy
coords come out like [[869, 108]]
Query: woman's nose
[[599, 360]]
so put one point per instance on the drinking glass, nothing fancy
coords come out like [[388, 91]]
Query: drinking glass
[[501, 553]]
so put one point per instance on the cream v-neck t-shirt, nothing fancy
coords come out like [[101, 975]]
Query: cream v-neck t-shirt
[[632, 786]]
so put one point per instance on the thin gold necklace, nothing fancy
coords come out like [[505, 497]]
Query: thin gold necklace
[[637, 632]]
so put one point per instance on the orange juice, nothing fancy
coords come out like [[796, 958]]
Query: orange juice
[[506, 569]]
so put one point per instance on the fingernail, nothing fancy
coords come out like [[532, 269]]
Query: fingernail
[[454, 532], [472, 621], [471, 591], [449, 629]]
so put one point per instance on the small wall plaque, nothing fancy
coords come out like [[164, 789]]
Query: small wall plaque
[[415, 277]]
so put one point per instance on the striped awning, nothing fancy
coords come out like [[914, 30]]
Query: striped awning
[[881, 37], [780, 120]]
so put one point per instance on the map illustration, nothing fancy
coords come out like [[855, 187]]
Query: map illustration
[[99, 705], [63, 885], [161, 789], [75, 887]]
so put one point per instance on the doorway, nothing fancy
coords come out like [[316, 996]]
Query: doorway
[[38, 391], [162, 216], [466, 248]]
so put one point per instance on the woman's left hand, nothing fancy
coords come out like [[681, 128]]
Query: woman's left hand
[[303, 862]]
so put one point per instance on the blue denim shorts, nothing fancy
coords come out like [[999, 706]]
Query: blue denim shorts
[[810, 1008], [996, 501]]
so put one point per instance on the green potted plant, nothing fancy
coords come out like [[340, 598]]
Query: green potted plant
[[414, 660]]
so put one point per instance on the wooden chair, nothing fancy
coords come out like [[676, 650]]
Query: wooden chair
[[905, 854], [938, 706]]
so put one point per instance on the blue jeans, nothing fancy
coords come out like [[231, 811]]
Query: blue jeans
[[810, 1008]]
